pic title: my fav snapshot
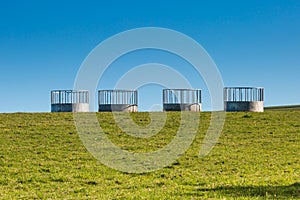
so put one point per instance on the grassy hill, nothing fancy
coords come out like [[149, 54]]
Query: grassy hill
[[287, 107], [256, 157]]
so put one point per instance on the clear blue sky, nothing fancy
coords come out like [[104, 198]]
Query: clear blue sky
[[43, 43]]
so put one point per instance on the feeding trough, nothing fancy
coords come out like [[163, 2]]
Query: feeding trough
[[118, 100], [182, 100], [249, 99], [69, 101]]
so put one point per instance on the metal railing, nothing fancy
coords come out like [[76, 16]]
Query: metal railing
[[181, 96], [244, 94], [117, 97], [69, 96]]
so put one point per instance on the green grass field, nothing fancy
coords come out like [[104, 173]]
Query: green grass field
[[257, 157], [284, 108]]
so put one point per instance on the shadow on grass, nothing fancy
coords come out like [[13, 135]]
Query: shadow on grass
[[277, 192]]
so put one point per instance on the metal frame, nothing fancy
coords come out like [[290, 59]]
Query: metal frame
[[243, 94], [69, 96], [182, 96], [110, 97]]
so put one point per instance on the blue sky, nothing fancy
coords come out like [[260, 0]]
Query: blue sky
[[43, 43]]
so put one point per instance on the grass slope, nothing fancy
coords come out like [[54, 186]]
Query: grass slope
[[256, 157], [288, 107]]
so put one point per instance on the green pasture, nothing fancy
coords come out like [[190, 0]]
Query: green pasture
[[256, 157]]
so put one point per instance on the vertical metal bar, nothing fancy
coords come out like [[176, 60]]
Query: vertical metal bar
[[128, 97], [200, 96], [99, 97], [70, 96], [240, 94], [233, 94], [195, 96], [123, 100], [250, 91], [65, 96], [174, 97], [180, 96], [228, 93], [59, 97], [167, 96], [129, 94], [106, 97]]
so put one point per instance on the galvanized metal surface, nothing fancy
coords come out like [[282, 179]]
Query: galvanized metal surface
[[244, 94], [181, 96], [69, 101], [244, 99], [117, 100]]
